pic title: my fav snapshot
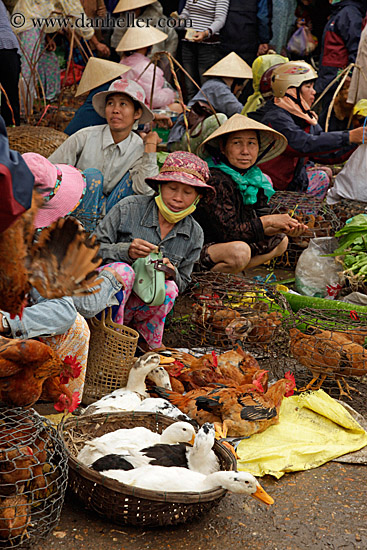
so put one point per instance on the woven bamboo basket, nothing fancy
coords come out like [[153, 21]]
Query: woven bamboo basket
[[111, 355], [35, 139], [124, 504]]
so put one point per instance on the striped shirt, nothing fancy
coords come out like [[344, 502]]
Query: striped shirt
[[206, 14], [8, 40]]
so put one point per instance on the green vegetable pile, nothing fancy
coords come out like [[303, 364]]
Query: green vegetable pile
[[353, 246]]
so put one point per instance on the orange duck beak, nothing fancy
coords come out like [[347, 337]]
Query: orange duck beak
[[262, 495]]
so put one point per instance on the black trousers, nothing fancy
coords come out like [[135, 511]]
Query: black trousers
[[9, 79]]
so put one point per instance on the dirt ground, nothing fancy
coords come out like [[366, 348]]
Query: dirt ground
[[321, 509]]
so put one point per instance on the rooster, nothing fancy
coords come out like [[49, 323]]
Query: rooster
[[25, 365], [188, 403], [15, 516], [249, 411], [255, 329], [61, 263]]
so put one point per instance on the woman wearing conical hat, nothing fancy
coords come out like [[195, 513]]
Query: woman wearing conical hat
[[134, 47], [225, 81], [239, 231]]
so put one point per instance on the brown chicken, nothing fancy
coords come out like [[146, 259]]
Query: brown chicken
[[61, 263], [246, 410], [256, 329], [188, 403], [24, 367], [15, 468], [14, 516], [232, 367], [328, 354]]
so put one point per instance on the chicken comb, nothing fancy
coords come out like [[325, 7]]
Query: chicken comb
[[290, 376], [75, 364]]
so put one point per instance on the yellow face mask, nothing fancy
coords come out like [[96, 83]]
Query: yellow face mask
[[174, 217]]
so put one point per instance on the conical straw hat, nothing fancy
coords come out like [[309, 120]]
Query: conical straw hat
[[129, 5], [135, 38], [272, 143], [232, 66], [99, 71]]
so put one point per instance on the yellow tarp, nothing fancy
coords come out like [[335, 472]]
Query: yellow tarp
[[313, 429]]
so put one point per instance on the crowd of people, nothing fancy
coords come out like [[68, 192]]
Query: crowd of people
[[242, 126]]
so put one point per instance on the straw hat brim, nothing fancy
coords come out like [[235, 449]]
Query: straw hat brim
[[136, 38], [99, 71], [231, 66], [99, 104], [127, 5], [239, 122]]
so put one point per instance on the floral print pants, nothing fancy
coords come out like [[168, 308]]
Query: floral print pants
[[74, 342], [147, 320], [319, 179], [36, 59]]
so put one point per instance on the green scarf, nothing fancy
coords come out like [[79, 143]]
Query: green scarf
[[249, 183]]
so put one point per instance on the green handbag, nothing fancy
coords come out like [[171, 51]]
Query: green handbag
[[149, 284]]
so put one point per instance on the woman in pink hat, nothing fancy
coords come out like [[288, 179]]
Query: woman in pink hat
[[136, 226], [59, 322]]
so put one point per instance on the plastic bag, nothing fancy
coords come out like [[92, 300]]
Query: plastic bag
[[317, 275], [302, 42], [350, 183]]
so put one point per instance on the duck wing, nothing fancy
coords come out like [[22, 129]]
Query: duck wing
[[164, 454], [111, 462]]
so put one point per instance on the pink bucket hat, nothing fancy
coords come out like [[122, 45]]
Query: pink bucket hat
[[61, 185], [185, 168], [131, 89]]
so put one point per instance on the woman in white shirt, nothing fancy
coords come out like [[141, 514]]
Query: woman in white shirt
[[115, 159]]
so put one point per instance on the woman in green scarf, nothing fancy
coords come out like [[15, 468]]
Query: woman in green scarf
[[239, 231]]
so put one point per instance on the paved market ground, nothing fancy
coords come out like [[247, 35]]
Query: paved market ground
[[324, 508]]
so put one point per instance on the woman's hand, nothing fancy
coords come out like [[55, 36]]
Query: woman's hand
[[151, 140], [163, 121], [200, 36], [115, 274], [102, 49], [140, 249], [356, 135], [279, 223], [297, 231], [167, 262]]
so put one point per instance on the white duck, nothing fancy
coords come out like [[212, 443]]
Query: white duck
[[130, 397], [126, 440], [181, 480], [199, 458], [162, 406]]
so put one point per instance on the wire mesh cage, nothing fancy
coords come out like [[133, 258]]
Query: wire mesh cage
[[33, 477], [219, 310], [329, 348], [125, 504], [316, 214], [346, 208]]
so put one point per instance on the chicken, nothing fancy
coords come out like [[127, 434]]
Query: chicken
[[232, 367], [352, 358], [188, 403], [322, 356], [248, 411], [60, 263], [14, 516], [24, 367], [256, 329], [15, 467]]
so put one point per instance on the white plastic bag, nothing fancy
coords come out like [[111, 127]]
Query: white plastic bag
[[350, 183], [315, 272]]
